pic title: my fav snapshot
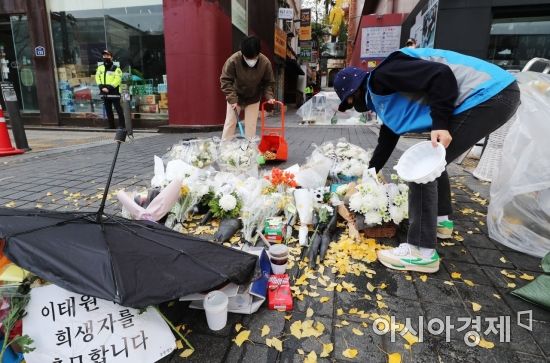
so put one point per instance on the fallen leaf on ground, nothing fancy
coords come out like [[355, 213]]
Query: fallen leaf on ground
[[497, 296], [485, 344], [309, 313], [527, 277], [178, 344], [265, 330], [10, 204], [476, 306], [394, 358], [242, 337], [357, 332], [410, 338], [370, 287], [344, 322], [449, 283], [381, 304], [296, 329], [508, 274], [511, 285], [503, 259], [277, 344], [350, 353], [324, 299], [311, 357], [340, 312], [469, 283], [424, 278], [186, 353], [456, 275], [238, 327], [300, 351], [327, 349]]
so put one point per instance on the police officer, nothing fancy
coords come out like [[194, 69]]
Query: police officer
[[108, 78]]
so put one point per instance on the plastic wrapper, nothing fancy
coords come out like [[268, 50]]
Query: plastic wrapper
[[315, 172], [239, 156], [200, 153], [518, 215], [349, 160], [323, 109], [192, 190], [228, 228], [304, 205]]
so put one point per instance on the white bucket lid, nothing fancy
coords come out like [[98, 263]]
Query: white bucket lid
[[421, 162]]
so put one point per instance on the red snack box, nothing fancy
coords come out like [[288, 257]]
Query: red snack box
[[279, 296]]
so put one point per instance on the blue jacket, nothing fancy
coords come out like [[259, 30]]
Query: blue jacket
[[477, 82]]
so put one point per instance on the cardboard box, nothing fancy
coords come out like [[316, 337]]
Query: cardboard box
[[163, 104], [164, 96], [74, 82], [148, 100], [149, 108], [274, 229]]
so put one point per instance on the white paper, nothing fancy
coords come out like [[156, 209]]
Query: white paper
[[112, 330], [380, 41]]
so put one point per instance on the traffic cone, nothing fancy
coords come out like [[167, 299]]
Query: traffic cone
[[5, 143]]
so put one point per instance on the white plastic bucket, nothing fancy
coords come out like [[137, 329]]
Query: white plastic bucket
[[278, 256], [215, 307], [421, 163]]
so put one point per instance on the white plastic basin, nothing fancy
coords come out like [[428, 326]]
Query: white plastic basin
[[422, 163]]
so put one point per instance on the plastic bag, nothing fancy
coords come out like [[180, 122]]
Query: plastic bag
[[323, 109], [200, 153], [315, 172], [518, 215], [239, 156]]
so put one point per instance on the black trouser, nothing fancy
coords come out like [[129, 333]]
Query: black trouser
[[427, 201], [109, 103]]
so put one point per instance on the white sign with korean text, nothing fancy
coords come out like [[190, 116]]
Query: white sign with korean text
[[380, 41], [286, 13], [71, 328]]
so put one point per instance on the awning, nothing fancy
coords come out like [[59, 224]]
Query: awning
[[292, 66]]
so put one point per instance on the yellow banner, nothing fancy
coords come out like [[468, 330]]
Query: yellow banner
[[280, 42], [305, 33]]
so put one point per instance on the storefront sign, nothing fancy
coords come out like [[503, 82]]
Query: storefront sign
[[239, 15], [69, 327], [423, 29], [305, 54], [40, 51], [380, 41], [8, 92], [305, 24], [335, 63], [280, 42], [286, 13]]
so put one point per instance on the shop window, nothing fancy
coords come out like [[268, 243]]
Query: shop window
[[515, 41], [135, 36]]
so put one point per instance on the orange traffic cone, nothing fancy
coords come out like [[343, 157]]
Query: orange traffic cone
[[5, 142]]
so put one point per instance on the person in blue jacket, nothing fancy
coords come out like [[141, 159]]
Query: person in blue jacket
[[459, 99]]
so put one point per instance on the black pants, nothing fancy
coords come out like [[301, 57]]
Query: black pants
[[109, 103], [427, 201]]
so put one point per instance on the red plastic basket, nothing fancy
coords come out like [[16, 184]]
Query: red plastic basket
[[273, 138]]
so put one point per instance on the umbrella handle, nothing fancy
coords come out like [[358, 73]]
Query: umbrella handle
[[239, 123]]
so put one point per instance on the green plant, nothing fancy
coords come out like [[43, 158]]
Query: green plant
[[18, 303]]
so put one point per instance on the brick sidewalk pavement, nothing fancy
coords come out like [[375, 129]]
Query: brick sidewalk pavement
[[73, 178]]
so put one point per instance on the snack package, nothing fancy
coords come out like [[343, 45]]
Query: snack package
[[279, 296]]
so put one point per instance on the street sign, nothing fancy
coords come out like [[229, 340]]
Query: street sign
[[286, 13], [8, 92], [40, 51], [305, 24]]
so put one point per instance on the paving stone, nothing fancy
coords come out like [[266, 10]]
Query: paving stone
[[436, 290], [208, 348], [294, 357], [517, 304], [478, 240], [355, 300], [319, 308], [483, 295], [397, 283], [258, 353], [488, 257], [468, 271], [525, 262], [449, 315], [275, 320], [421, 352], [368, 345], [455, 253], [541, 333]]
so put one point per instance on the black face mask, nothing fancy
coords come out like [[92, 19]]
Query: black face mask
[[107, 61], [359, 101]]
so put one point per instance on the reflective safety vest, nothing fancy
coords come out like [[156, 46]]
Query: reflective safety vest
[[111, 77], [477, 81]]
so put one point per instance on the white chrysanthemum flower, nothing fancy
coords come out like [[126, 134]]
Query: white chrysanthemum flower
[[201, 190], [403, 188], [342, 189], [228, 202], [356, 202], [373, 217]]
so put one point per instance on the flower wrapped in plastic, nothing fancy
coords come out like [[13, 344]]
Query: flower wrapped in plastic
[[349, 160], [239, 156], [200, 153]]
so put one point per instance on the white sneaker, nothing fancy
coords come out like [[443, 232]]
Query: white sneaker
[[408, 258]]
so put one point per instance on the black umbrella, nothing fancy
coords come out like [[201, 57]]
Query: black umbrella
[[133, 263]]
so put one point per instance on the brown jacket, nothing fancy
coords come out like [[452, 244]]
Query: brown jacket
[[245, 85]]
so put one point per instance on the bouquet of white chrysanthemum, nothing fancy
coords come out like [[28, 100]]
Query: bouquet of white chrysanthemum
[[199, 153], [239, 156], [380, 203], [349, 160]]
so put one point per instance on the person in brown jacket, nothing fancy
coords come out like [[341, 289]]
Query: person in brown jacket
[[246, 77]]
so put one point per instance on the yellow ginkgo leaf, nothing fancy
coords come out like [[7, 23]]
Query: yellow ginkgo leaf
[[339, 312], [394, 358], [357, 332], [449, 283], [242, 337], [238, 327], [265, 330], [288, 317], [469, 283], [10, 204], [456, 275], [350, 353], [524, 276], [381, 304], [324, 299], [508, 274], [424, 278], [344, 322], [408, 278], [382, 286], [277, 344], [370, 287], [296, 329], [511, 285], [186, 353], [410, 338], [476, 306], [309, 313], [484, 343], [300, 351], [179, 345], [311, 357], [503, 259], [327, 349], [497, 296]]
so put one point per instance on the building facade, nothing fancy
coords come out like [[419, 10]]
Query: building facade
[[171, 53]]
